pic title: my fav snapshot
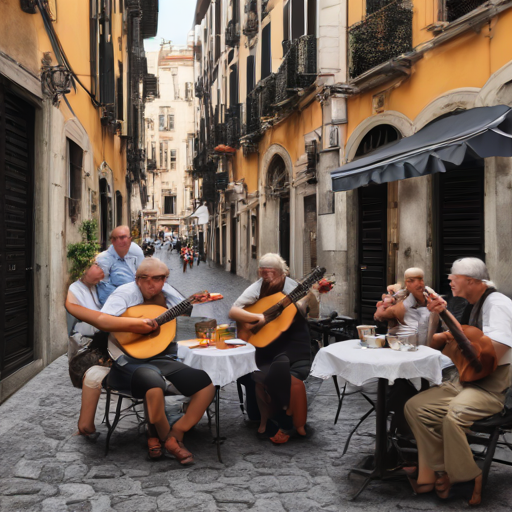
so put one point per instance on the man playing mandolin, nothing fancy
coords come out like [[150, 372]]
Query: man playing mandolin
[[285, 362], [440, 416], [150, 378]]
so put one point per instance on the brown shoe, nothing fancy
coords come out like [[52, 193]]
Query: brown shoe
[[178, 451]]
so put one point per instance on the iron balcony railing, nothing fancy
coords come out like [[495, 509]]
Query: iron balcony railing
[[380, 37], [233, 125], [455, 9], [232, 37]]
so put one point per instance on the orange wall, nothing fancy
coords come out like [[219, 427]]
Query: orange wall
[[467, 61], [289, 134]]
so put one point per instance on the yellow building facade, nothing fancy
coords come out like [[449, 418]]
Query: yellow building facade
[[69, 151], [458, 58]]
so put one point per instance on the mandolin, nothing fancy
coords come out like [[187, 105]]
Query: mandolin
[[144, 346], [470, 350], [279, 311]]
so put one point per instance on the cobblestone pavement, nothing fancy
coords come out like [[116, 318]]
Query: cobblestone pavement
[[44, 467]]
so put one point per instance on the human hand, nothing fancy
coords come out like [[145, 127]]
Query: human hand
[[145, 326], [435, 304], [258, 323]]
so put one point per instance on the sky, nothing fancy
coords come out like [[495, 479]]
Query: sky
[[175, 19]]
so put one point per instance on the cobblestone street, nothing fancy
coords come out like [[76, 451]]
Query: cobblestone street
[[45, 467]]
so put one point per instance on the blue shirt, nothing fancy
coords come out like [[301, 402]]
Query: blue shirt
[[117, 270]]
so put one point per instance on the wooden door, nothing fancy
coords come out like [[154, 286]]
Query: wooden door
[[372, 248], [16, 233]]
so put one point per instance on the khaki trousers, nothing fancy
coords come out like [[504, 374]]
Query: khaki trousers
[[440, 417]]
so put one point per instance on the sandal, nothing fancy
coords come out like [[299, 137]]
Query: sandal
[[178, 451], [155, 448], [280, 438]]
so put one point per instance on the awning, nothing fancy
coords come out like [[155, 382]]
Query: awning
[[201, 214], [476, 133]]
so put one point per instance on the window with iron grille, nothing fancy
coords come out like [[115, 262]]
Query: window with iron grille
[[173, 159], [455, 9]]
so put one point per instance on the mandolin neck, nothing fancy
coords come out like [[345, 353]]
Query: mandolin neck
[[174, 312]]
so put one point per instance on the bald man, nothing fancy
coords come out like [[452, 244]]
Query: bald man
[[409, 313], [119, 262]]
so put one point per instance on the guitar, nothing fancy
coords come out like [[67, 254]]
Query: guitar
[[144, 346], [472, 353], [279, 311]]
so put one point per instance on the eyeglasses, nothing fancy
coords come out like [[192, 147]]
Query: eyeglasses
[[122, 238], [155, 279]]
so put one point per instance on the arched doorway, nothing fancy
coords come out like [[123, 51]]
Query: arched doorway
[[373, 228], [278, 192]]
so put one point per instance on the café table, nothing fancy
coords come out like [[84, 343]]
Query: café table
[[351, 363], [223, 367]]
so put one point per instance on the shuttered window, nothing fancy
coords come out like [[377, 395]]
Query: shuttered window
[[266, 57]]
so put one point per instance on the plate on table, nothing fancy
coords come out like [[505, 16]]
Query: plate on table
[[194, 343]]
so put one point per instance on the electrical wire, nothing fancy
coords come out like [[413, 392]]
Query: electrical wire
[[60, 54]]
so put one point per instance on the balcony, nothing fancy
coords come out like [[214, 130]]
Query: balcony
[[199, 89], [150, 87], [253, 122], [232, 36], [151, 164], [380, 37], [149, 22], [233, 126], [455, 9]]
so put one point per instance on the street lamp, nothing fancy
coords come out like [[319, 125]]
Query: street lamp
[[55, 80]]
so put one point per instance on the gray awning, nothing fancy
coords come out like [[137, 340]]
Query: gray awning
[[476, 133]]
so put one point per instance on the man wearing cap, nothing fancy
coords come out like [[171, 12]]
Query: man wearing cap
[[408, 308], [440, 416]]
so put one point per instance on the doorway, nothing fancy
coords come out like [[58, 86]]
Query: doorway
[[234, 226], [460, 220], [16, 233], [372, 248]]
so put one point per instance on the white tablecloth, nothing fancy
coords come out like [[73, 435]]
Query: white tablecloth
[[353, 364], [223, 366]]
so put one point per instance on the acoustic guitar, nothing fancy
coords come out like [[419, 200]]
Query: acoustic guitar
[[144, 346], [279, 311]]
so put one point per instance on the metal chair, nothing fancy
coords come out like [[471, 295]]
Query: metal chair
[[486, 433]]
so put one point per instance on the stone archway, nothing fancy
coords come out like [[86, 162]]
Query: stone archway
[[277, 204]]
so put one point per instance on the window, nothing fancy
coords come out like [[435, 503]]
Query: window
[[233, 86], [297, 18], [250, 73], [153, 150], [286, 21], [173, 159], [165, 119], [166, 156], [119, 208], [188, 91], [170, 122], [265, 52], [455, 9], [170, 205], [161, 154], [75, 155], [161, 122]]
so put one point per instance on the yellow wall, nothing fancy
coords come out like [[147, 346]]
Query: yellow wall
[[466, 61], [23, 38], [289, 134]]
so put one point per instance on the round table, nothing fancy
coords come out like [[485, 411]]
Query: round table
[[222, 366], [357, 365]]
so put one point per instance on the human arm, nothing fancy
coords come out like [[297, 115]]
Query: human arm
[[109, 323], [243, 316]]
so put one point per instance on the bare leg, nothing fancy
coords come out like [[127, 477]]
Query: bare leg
[[419, 488], [90, 397], [442, 484], [477, 491], [155, 404], [298, 408], [263, 406], [195, 410]]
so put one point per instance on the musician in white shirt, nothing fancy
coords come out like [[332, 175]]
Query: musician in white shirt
[[440, 416]]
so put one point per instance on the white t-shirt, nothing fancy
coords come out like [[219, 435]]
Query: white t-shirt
[[87, 297], [252, 293], [129, 295], [497, 322]]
